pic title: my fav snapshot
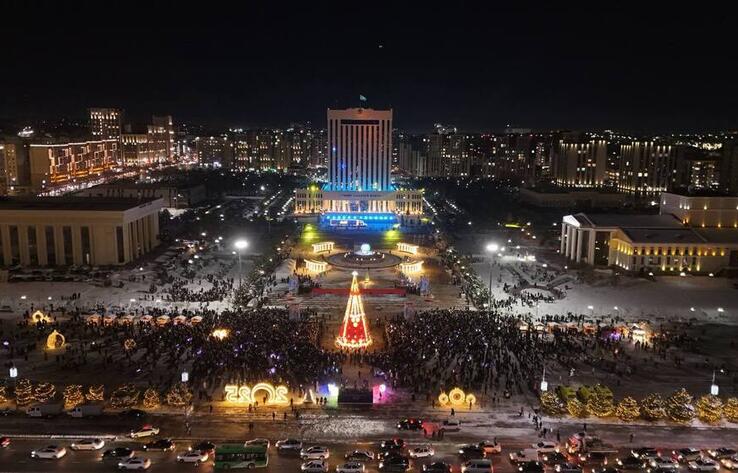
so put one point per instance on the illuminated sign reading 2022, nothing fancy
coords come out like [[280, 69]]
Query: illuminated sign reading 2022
[[247, 395]]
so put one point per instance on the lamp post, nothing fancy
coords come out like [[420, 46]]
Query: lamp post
[[544, 383], [240, 246], [13, 372], [714, 388], [492, 248]]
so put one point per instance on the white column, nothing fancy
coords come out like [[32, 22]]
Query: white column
[[563, 238], [591, 246], [570, 243], [579, 246]]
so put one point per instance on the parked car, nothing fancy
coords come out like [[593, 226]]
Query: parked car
[[703, 464], [630, 463], [205, 447], [722, 452], [554, 458], [568, 468], [145, 431], [163, 445], [451, 424], [645, 453], [530, 467], [664, 463], [117, 454], [424, 451], [288, 445], [529, 454], [51, 452], [315, 453], [258, 442], [477, 466], [394, 463], [134, 463], [437, 467], [731, 463], [410, 424], [360, 456], [490, 447], [195, 457], [471, 451], [315, 466], [686, 455], [546, 447], [350, 467], [88, 444]]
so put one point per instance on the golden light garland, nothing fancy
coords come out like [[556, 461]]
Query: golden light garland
[[39, 317], [220, 333], [125, 396], [96, 393], [44, 392], [179, 395], [456, 397], [3, 395], [55, 340], [23, 392], [129, 344], [73, 396], [709, 409], [730, 409], [627, 409], [151, 398]]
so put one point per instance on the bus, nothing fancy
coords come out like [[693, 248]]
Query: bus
[[230, 456]]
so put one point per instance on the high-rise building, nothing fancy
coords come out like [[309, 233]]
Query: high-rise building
[[135, 149], [161, 139], [359, 149], [646, 167], [359, 191], [16, 179], [729, 167], [214, 151], [105, 123], [580, 162]]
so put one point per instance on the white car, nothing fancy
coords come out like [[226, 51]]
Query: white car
[[663, 463], [490, 447], [193, 456], [257, 442], [88, 444], [315, 453], [731, 463], [421, 452], [145, 431], [135, 463], [52, 452], [350, 467], [546, 447], [288, 444], [315, 466], [704, 464]]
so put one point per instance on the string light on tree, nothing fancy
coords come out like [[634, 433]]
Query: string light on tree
[[151, 399], [627, 409], [652, 407], [179, 395], [95, 393], [577, 408], [44, 392], [709, 409], [730, 409], [73, 396], [23, 392], [679, 406], [125, 396]]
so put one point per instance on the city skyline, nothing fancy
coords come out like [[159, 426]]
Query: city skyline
[[654, 71]]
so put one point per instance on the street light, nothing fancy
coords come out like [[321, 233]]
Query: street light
[[714, 389], [185, 376], [240, 245], [13, 372], [492, 248], [544, 383]]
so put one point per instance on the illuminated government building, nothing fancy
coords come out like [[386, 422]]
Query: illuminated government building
[[692, 234], [359, 192]]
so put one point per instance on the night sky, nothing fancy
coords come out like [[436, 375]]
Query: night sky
[[476, 67]]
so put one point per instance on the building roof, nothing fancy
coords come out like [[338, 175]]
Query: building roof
[[718, 235], [72, 203], [627, 221], [663, 235]]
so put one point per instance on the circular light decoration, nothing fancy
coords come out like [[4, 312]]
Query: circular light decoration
[[220, 333], [365, 248], [55, 340], [129, 344]]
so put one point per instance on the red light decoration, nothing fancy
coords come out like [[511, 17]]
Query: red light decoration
[[354, 333]]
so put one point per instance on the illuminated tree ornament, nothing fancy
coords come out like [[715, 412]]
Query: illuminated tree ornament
[[95, 393], [354, 333], [73, 396]]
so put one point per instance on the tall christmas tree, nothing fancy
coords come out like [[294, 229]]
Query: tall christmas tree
[[354, 333]]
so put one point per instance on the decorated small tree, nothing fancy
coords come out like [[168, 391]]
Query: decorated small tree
[[125, 396], [709, 408], [44, 392], [600, 401], [730, 409], [96, 393], [652, 407], [627, 409], [3, 395], [679, 406], [73, 396], [151, 398], [23, 392], [551, 404], [179, 395], [577, 408]]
